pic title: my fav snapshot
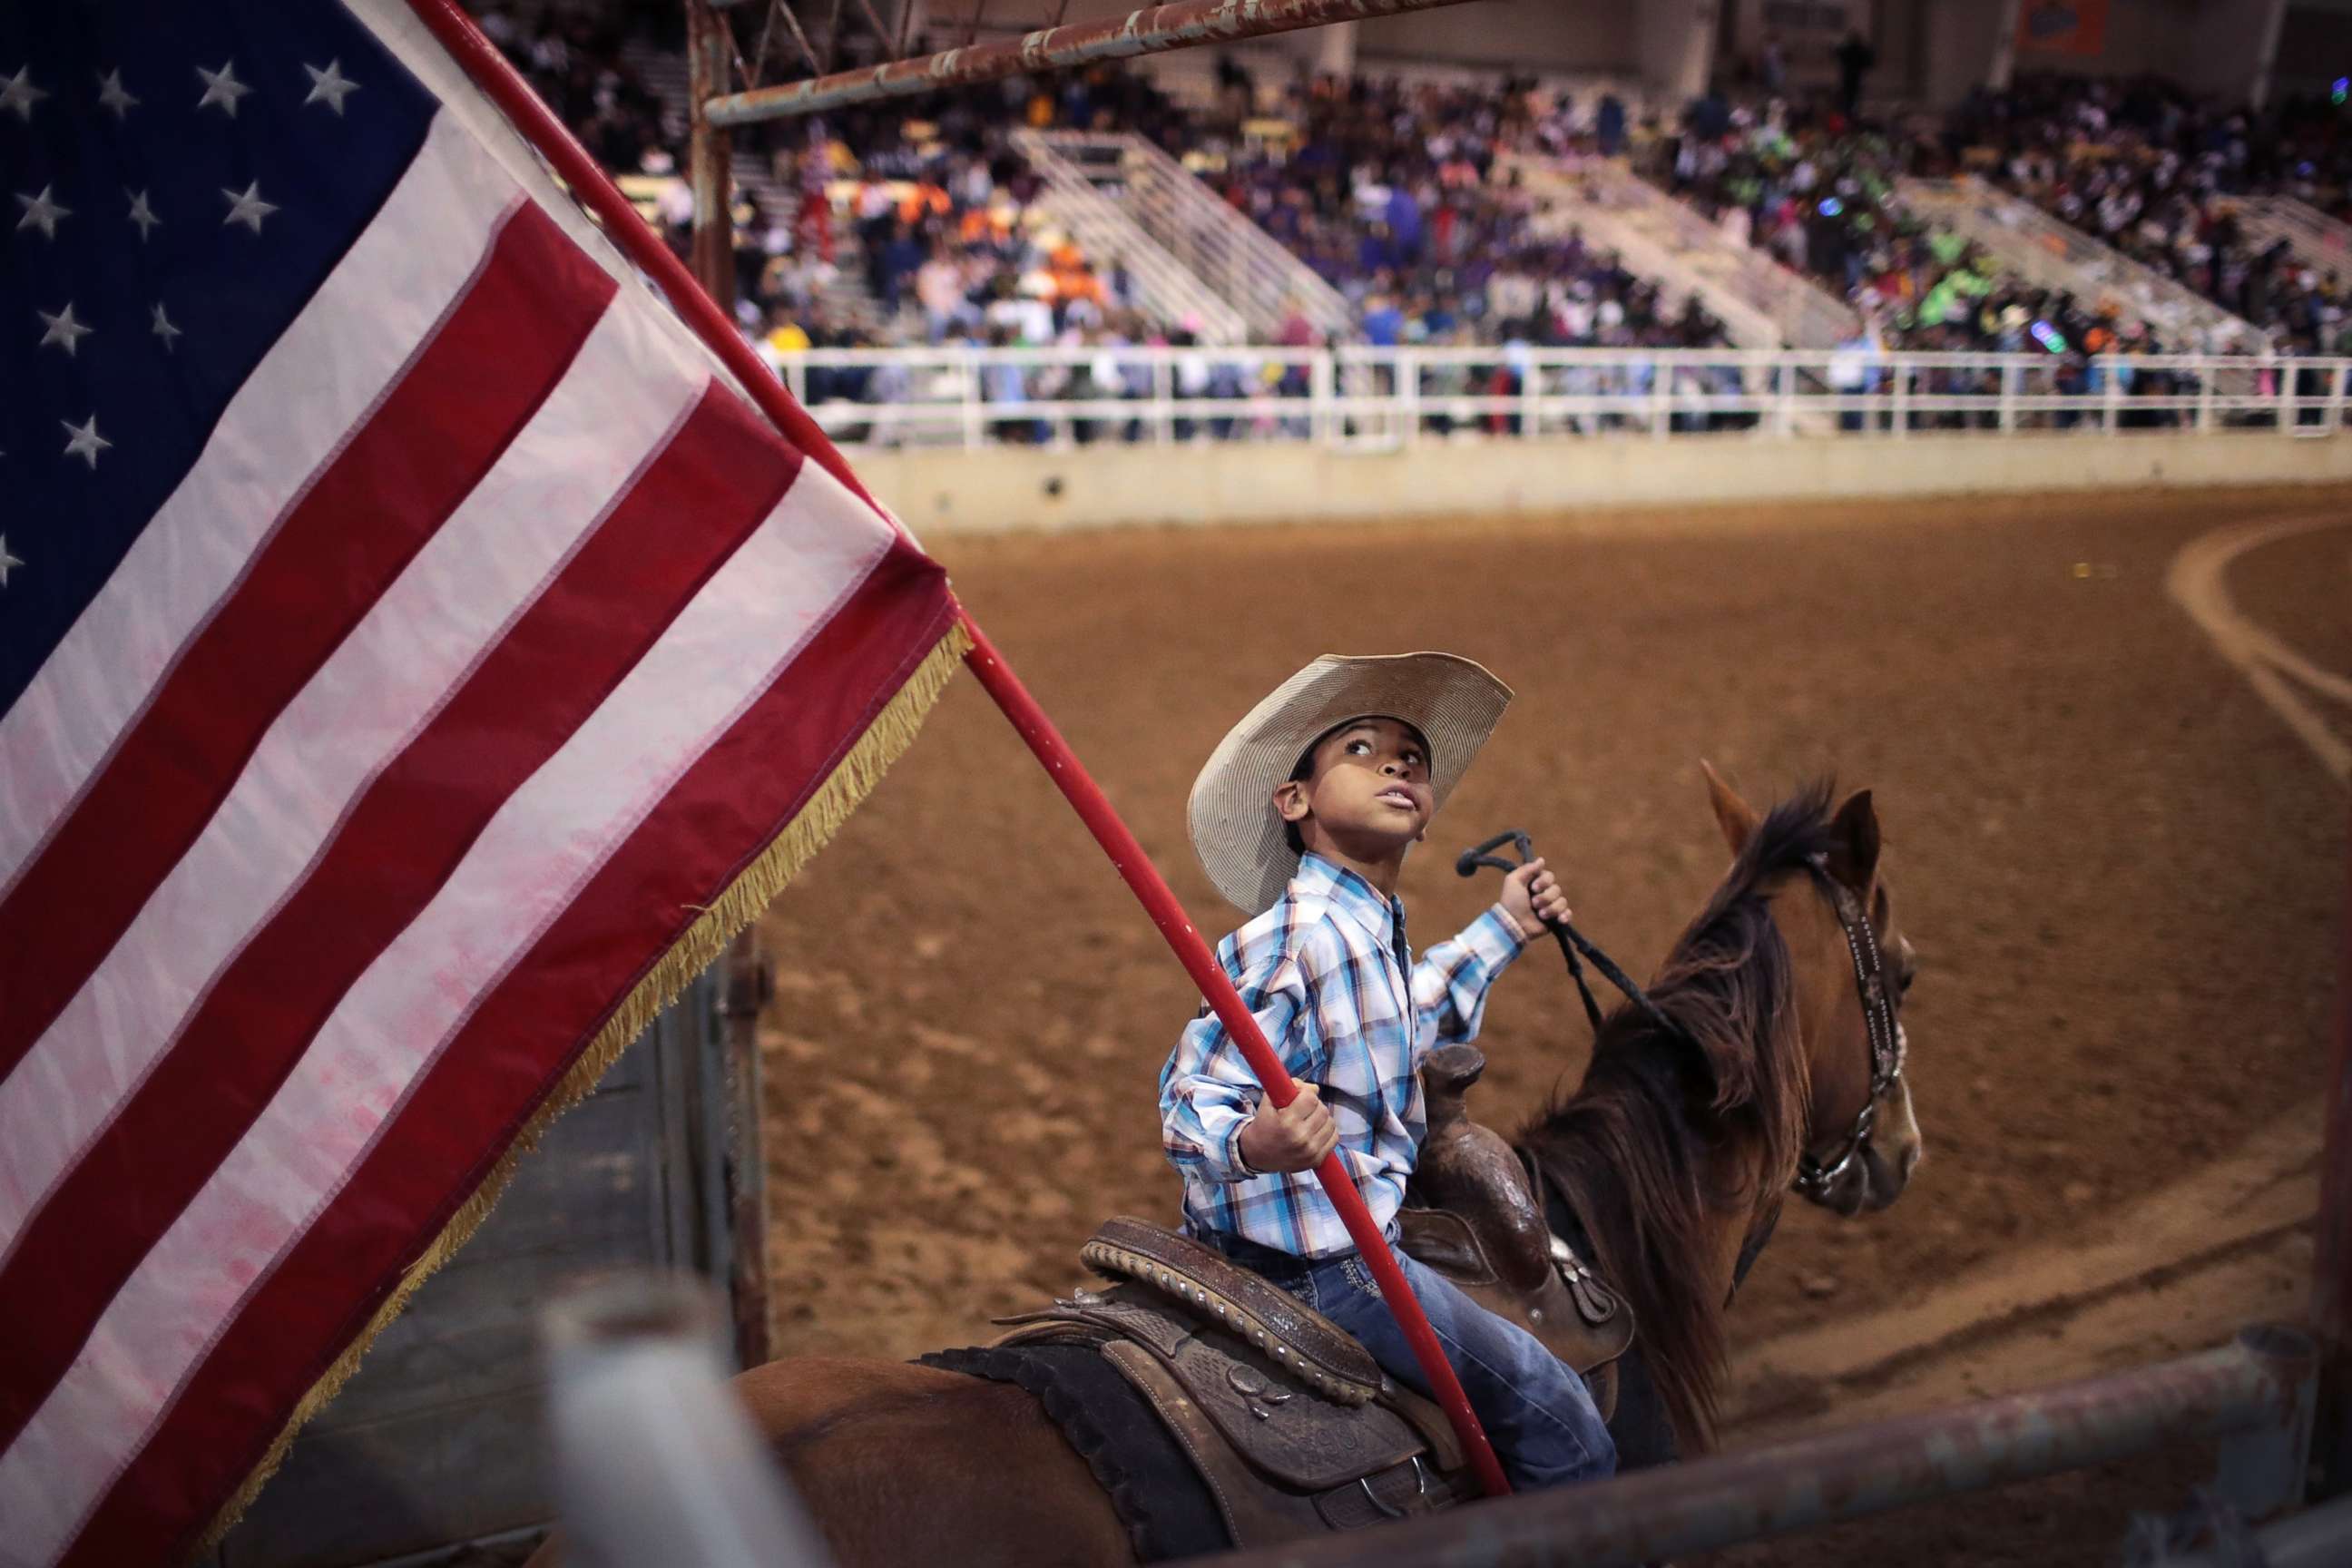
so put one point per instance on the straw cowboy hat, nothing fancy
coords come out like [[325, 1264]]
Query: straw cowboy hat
[[1452, 701]]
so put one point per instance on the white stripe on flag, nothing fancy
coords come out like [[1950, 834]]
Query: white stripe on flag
[[287, 419], [734, 639], [493, 557]]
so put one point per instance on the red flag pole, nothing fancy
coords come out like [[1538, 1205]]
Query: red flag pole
[[571, 163]]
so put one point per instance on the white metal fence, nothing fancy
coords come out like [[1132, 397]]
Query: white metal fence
[[1379, 398]]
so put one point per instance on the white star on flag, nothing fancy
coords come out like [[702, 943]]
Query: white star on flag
[[87, 443], [141, 215], [247, 207], [20, 94], [221, 88], [163, 328], [64, 331], [6, 561], [331, 86], [42, 212], [112, 94]]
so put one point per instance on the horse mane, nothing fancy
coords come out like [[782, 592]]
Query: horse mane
[[1635, 1140]]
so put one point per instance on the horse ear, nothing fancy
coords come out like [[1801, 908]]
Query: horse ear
[[1733, 814], [1854, 841]]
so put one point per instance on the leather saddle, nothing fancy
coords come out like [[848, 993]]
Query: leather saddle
[[1292, 1425]]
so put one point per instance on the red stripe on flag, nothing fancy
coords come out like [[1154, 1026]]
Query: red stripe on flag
[[690, 511], [495, 358], [527, 1033]]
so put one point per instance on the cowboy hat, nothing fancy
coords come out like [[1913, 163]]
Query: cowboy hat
[[1236, 832]]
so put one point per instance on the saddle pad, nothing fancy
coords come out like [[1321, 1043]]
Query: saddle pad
[[1158, 1494]]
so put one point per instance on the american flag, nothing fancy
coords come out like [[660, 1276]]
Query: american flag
[[415, 654]]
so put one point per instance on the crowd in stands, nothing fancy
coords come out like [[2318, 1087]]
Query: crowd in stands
[[1397, 196], [1818, 193], [1394, 196], [919, 222], [2157, 175], [2138, 164], [575, 62]]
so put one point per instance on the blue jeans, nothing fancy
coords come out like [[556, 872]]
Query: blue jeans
[[1537, 1412]]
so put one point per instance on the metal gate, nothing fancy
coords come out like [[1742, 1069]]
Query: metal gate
[[436, 1443]]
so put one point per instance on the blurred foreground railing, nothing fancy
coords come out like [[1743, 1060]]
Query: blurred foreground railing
[[1383, 398], [654, 1458], [2253, 1396]]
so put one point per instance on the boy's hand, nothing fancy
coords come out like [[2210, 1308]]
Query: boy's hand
[[1294, 1137], [1533, 899]]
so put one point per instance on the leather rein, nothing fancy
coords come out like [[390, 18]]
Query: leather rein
[[1814, 1177]]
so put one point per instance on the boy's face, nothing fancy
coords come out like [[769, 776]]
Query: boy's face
[[1367, 793]]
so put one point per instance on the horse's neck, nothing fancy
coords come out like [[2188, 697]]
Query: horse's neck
[[1732, 1166], [1732, 1225]]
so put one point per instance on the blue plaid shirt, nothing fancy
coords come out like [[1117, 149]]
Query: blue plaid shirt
[[1331, 982]]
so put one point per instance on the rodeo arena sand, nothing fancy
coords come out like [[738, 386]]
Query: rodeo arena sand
[[2120, 858]]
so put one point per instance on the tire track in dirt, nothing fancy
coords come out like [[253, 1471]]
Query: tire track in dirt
[[2204, 1255], [2239, 1208], [2281, 676]]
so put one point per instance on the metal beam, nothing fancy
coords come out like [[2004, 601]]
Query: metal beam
[[1189, 25], [707, 42], [2253, 1393], [2331, 1268], [748, 986]]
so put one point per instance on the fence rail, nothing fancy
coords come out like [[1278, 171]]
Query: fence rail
[[2255, 1395], [1381, 398]]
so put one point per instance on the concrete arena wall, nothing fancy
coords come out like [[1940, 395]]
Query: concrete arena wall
[[938, 491]]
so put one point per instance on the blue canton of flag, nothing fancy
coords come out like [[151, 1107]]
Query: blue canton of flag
[[175, 181]]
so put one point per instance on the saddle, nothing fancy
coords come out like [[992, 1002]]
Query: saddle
[[1289, 1422]]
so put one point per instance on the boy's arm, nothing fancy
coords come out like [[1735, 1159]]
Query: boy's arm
[[1207, 1092], [1451, 978]]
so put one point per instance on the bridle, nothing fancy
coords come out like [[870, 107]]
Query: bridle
[[1814, 1177]]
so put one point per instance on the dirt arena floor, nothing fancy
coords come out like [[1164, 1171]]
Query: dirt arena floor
[[2122, 871]]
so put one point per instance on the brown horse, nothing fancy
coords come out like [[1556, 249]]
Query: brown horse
[[1678, 1145]]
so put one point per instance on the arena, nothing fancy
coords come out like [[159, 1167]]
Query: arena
[[524, 857], [2123, 871]]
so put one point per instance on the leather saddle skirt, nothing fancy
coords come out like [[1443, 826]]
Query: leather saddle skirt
[[1289, 1421]]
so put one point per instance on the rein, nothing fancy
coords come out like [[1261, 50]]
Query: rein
[[1572, 941], [1814, 1177]]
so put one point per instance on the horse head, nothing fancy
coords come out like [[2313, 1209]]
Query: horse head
[[1770, 1059], [1855, 968]]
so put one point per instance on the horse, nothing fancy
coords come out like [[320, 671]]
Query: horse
[[1763, 1060]]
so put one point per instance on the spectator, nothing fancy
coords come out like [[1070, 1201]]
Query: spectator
[[1854, 58], [1610, 126]]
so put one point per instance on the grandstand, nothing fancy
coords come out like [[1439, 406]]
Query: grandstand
[[1418, 241]]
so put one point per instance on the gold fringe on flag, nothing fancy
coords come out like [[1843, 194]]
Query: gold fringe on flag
[[891, 732]]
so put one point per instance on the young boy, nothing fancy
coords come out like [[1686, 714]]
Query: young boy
[[1306, 811]]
